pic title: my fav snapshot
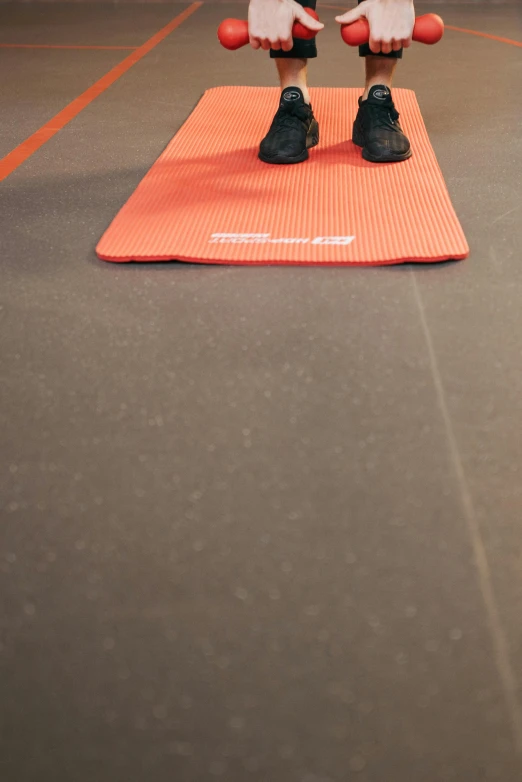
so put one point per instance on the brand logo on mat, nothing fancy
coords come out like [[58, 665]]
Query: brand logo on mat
[[267, 239], [381, 94], [291, 95], [344, 240]]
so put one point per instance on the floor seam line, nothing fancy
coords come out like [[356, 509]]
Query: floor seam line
[[498, 636]]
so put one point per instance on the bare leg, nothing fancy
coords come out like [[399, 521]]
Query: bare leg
[[379, 70], [292, 73]]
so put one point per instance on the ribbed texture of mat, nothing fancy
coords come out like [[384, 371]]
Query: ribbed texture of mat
[[209, 181]]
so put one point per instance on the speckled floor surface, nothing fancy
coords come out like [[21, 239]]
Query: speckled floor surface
[[257, 524]]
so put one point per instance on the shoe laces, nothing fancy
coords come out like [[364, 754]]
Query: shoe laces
[[385, 117], [286, 117]]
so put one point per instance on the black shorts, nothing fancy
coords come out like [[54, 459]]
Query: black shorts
[[307, 50]]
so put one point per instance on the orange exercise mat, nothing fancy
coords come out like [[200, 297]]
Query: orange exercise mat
[[208, 199]]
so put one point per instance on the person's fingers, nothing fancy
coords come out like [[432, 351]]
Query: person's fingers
[[275, 44], [351, 16], [287, 44], [396, 45], [255, 43], [308, 21], [406, 43], [386, 47], [375, 46], [265, 44]]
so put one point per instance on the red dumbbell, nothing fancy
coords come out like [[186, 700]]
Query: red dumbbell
[[233, 33], [428, 29]]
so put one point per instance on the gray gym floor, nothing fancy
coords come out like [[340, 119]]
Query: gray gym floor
[[257, 523]]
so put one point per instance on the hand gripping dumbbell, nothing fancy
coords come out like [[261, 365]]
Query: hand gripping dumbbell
[[233, 33], [428, 29]]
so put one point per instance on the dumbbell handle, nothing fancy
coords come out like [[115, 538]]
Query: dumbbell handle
[[428, 29], [233, 33]]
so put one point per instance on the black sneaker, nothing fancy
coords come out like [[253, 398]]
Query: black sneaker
[[376, 128], [293, 131]]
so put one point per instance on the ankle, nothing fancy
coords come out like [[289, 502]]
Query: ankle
[[300, 85], [371, 84], [379, 71], [292, 73]]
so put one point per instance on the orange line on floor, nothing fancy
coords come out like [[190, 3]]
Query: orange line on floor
[[483, 35], [64, 46], [21, 153]]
